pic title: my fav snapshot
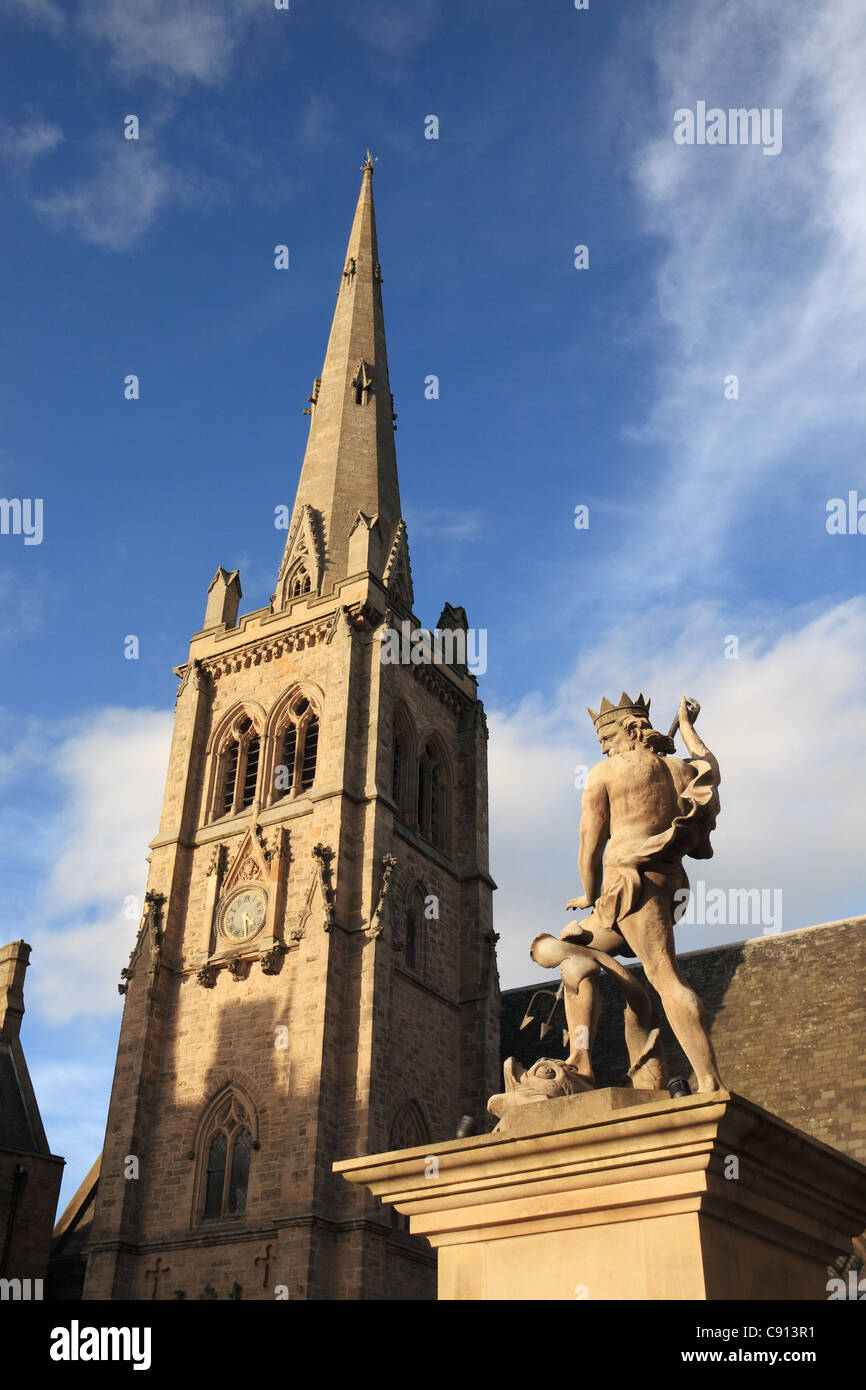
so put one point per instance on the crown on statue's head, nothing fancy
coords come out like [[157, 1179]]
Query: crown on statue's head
[[608, 711]]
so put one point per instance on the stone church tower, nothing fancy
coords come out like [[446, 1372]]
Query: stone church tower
[[314, 977]]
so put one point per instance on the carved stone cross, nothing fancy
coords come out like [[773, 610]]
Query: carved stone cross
[[265, 1260], [158, 1270]]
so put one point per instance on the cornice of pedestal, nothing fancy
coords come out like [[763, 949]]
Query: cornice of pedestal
[[613, 1155]]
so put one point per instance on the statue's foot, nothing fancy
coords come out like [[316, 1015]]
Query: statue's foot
[[579, 1059]]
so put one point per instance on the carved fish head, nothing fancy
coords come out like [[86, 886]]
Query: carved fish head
[[544, 1080]]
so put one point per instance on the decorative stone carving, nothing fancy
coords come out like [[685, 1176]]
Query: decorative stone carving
[[323, 856], [150, 924], [313, 402], [548, 1078], [270, 958], [362, 382], [194, 674], [271, 848], [397, 574], [216, 863], [643, 810], [206, 976], [235, 967], [159, 1269], [305, 542], [249, 870], [389, 864], [265, 1260]]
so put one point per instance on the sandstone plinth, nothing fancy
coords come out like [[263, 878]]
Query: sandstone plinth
[[628, 1195]]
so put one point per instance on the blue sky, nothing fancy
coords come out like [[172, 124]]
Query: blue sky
[[558, 387]]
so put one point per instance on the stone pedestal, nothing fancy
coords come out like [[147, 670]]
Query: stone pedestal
[[619, 1194]]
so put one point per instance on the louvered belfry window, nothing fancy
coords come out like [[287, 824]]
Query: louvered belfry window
[[311, 748], [231, 772], [240, 769], [295, 770], [290, 745], [251, 773]]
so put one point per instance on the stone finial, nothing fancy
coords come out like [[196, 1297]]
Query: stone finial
[[14, 960], [223, 598]]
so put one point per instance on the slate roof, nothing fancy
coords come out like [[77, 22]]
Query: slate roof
[[16, 1131]]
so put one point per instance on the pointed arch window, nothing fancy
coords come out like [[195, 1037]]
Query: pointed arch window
[[413, 932], [425, 777], [434, 798], [228, 1147], [239, 768], [301, 582], [297, 749], [409, 1130], [402, 764], [399, 762]]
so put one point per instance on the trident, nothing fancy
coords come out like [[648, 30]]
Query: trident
[[529, 1017]]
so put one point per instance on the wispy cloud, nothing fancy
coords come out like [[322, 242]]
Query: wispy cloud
[[172, 40], [22, 606], [21, 145], [444, 524], [320, 119], [43, 12], [115, 206], [763, 270], [394, 27], [106, 776]]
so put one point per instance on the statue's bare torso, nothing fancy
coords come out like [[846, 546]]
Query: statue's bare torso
[[631, 797]]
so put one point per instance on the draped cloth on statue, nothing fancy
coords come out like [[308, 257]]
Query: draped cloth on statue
[[689, 833]]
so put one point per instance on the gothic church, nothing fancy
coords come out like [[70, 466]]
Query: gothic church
[[315, 975]]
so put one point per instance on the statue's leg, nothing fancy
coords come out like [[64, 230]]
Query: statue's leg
[[579, 965], [582, 1008], [650, 934]]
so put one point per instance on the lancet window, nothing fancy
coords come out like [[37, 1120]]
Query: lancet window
[[239, 768], [227, 1146], [297, 749]]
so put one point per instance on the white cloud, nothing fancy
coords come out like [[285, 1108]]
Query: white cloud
[[107, 780], [785, 721], [763, 272], [21, 145], [117, 205], [72, 1096], [188, 40], [443, 524], [21, 607], [43, 12], [394, 27]]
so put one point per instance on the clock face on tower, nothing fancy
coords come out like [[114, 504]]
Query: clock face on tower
[[243, 914]]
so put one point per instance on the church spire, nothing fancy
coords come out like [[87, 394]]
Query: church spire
[[348, 482]]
